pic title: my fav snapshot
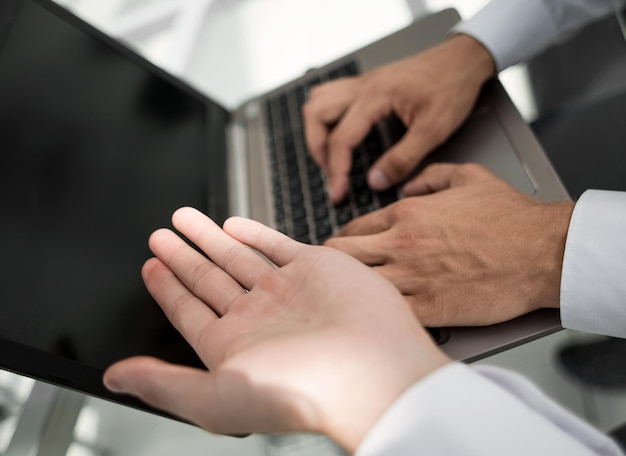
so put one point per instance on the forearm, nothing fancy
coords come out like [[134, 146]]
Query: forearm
[[516, 30], [482, 411]]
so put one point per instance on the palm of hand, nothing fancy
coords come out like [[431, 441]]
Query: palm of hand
[[284, 346]]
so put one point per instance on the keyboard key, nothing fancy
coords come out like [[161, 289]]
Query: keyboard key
[[300, 229], [315, 180], [364, 199], [295, 198], [318, 194], [294, 183], [366, 209], [305, 238], [323, 229], [344, 214], [387, 197], [320, 212], [299, 210]]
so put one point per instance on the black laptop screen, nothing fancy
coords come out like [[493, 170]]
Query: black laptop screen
[[97, 149]]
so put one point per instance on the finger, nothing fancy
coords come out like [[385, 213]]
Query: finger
[[399, 161], [433, 178], [441, 176], [189, 314], [179, 390], [352, 129], [277, 247], [363, 248], [372, 223], [316, 134], [240, 262], [196, 274], [190, 289], [221, 402], [327, 103]]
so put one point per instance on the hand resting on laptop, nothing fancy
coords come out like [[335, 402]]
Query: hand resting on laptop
[[464, 248], [432, 93]]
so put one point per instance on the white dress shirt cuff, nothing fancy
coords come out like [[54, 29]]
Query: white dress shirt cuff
[[480, 411], [593, 281], [511, 30], [516, 30]]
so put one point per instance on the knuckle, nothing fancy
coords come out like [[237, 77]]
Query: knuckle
[[334, 139], [402, 241], [473, 171], [436, 132], [400, 164], [338, 141], [473, 168], [376, 81], [333, 242], [176, 309], [199, 274], [231, 256], [399, 210], [427, 307], [308, 109], [316, 91]]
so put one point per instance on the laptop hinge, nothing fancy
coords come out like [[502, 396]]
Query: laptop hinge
[[238, 179]]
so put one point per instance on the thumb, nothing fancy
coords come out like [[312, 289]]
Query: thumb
[[441, 176], [398, 162], [179, 390], [220, 402]]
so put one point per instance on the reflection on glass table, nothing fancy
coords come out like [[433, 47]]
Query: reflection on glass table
[[14, 392], [38, 419]]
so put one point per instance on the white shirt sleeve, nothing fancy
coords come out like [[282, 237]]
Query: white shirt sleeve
[[515, 30], [593, 280], [480, 411]]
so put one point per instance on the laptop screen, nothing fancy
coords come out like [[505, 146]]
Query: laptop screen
[[97, 149]]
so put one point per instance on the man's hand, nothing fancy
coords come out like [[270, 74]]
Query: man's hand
[[293, 348], [470, 250], [431, 92]]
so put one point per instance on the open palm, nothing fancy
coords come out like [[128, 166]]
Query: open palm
[[315, 342]]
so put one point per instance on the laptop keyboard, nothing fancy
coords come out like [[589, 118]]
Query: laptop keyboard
[[302, 208]]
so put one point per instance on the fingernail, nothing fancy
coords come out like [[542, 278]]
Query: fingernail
[[377, 180], [332, 194], [113, 386]]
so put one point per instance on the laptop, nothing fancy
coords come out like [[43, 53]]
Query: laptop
[[98, 147]]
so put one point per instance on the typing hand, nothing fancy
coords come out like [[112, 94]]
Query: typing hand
[[297, 347], [469, 250], [431, 92]]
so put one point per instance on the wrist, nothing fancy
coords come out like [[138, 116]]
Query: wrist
[[364, 405], [473, 56], [556, 228]]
